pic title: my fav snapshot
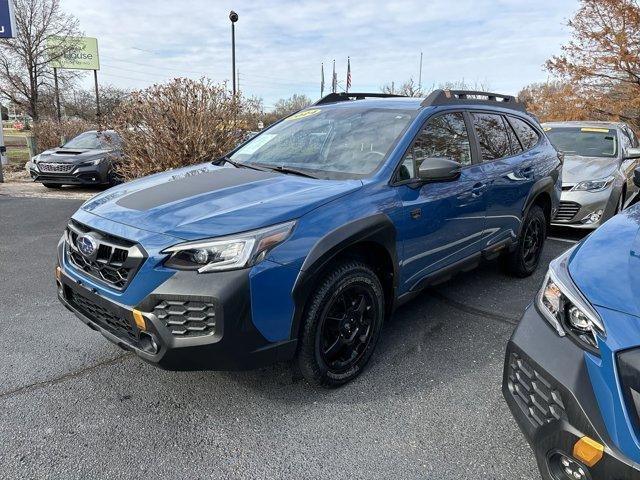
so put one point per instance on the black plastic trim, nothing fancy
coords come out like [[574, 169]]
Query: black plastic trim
[[377, 228]]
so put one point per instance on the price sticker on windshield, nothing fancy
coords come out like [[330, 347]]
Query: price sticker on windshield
[[304, 114]]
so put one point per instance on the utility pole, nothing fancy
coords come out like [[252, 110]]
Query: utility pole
[[420, 74], [233, 16]]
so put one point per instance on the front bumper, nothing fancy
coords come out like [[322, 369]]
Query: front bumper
[[88, 175], [576, 207], [547, 387], [232, 344]]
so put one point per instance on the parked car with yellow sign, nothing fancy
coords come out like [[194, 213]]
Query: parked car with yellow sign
[[597, 175]]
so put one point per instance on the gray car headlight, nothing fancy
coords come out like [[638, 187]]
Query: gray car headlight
[[593, 185], [565, 308], [228, 253], [91, 162]]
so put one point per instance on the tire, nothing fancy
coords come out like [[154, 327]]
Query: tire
[[341, 325], [52, 185], [524, 259], [113, 179]]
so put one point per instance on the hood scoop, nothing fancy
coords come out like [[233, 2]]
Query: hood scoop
[[68, 152]]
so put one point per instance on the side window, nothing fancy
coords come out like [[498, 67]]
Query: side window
[[528, 136], [492, 136], [516, 148], [442, 136]]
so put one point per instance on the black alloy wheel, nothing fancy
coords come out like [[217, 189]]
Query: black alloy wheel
[[523, 258], [341, 324]]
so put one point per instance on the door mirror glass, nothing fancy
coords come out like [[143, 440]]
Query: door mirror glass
[[633, 153], [439, 169]]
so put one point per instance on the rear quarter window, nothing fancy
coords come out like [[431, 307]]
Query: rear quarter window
[[492, 136], [527, 135]]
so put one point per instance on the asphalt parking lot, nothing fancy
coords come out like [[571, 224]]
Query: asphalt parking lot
[[73, 406]]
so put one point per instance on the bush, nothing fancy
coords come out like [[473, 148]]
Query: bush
[[49, 133], [180, 123]]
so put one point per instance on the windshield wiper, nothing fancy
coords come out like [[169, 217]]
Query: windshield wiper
[[284, 169], [226, 159]]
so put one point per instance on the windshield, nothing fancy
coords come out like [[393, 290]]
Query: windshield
[[92, 141], [585, 141], [328, 142]]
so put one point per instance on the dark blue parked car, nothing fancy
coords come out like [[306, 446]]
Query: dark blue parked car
[[572, 370], [301, 241]]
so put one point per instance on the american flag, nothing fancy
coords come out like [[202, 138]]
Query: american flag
[[348, 74]]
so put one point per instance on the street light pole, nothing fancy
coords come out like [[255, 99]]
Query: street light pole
[[233, 16]]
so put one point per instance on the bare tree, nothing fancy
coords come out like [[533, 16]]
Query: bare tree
[[409, 88], [24, 70]]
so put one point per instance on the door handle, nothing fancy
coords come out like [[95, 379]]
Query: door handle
[[526, 172], [478, 189]]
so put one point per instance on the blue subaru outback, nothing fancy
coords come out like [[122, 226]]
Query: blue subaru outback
[[572, 368], [300, 242]]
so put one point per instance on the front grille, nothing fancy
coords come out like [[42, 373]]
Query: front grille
[[114, 262], [629, 374], [566, 211], [534, 394], [111, 322], [49, 167], [187, 318]]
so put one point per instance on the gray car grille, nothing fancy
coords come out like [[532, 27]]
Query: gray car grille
[[566, 211], [114, 262], [50, 167]]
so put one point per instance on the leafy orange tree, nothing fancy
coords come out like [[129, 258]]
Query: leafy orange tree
[[556, 101], [602, 60]]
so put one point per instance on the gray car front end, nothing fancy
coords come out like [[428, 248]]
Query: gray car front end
[[595, 188], [79, 163]]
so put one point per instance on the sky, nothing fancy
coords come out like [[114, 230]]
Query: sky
[[281, 44]]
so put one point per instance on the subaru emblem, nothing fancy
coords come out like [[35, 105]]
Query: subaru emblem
[[87, 245]]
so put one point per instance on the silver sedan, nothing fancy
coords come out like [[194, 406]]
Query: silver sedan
[[597, 175]]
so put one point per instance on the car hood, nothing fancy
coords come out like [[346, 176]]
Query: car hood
[[209, 201], [578, 169], [606, 266], [68, 155]]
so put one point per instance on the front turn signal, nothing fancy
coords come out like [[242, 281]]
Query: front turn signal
[[588, 451], [139, 319]]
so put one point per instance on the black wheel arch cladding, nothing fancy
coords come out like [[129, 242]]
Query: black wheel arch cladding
[[377, 229]]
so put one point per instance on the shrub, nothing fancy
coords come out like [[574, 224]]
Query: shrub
[[50, 133], [180, 123]]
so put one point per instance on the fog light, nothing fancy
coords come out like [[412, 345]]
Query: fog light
[[58, 274], [588, 451], [572, 469], [593, 217], [563, 467], [148, 343]]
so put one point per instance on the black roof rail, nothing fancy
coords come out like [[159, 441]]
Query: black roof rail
[[470, 97], [344, 96]]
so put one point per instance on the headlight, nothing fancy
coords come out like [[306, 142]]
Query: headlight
[[593, 185], [90, 162], [228, 253], [565, 308], [34, 161]]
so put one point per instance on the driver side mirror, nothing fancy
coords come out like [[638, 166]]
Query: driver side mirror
[[632, 153], [439, 169]]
